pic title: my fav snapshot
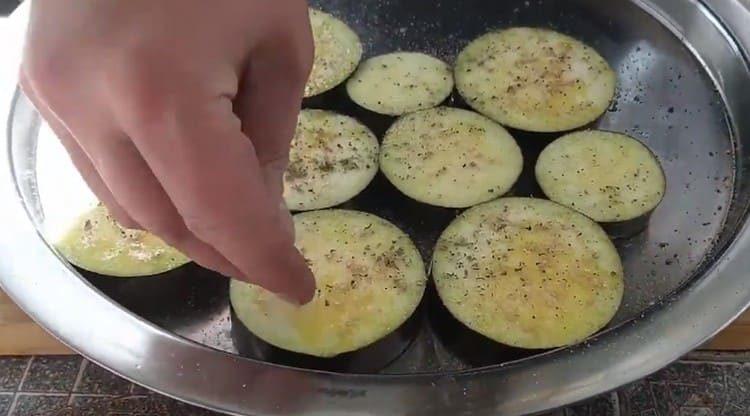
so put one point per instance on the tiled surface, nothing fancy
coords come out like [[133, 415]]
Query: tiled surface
[[96, 380], [602, 406], [691, 389], [38, 404], [5, 402], [11, 373], [70, 386], [52, 374]]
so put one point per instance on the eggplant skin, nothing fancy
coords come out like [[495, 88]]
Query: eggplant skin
[[528, 273], [179, 295], [610, 177], [366, 360], [534, 79], [370, 279]]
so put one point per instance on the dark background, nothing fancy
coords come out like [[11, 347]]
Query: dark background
[[7, 6]]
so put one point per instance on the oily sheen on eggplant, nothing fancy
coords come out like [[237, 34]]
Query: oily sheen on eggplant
[[609, 177], [97, 243], [534, 79], [333, 158], [528, 273], [400, 82], [338, 51], [370, 279], [450, 157]]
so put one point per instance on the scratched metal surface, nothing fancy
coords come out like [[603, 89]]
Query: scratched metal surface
[[665, 98]]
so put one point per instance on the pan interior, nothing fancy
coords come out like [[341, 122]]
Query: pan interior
[[665, 98]]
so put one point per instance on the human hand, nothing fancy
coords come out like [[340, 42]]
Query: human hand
[[179, 115]]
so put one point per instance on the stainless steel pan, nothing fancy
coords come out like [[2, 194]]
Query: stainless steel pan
[[684, 84]]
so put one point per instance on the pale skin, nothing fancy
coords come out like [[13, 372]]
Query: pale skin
[[179, 115]]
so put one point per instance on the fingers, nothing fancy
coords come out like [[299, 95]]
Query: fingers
[[269, 99], [211, 173], [126, 173], [149, 119], [268, 105], [79, 158]]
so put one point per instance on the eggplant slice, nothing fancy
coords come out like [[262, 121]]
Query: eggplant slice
[[535, 79], [97, 243], [450, 157], [610, 177], [528, 273], [333, 158], [338, 51], [401, 82], [370, 279]]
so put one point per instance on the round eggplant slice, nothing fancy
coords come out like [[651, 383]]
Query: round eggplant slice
[[401, 82], [338, 51], [97, 243], [370, 279], [535, 79], [332, 159], [450, 157], [528, 273], [609, 177]]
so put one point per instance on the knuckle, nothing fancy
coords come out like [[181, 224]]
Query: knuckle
[[155, 101], [204, 227], [48, 72], [140, 87], [108, 150]]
